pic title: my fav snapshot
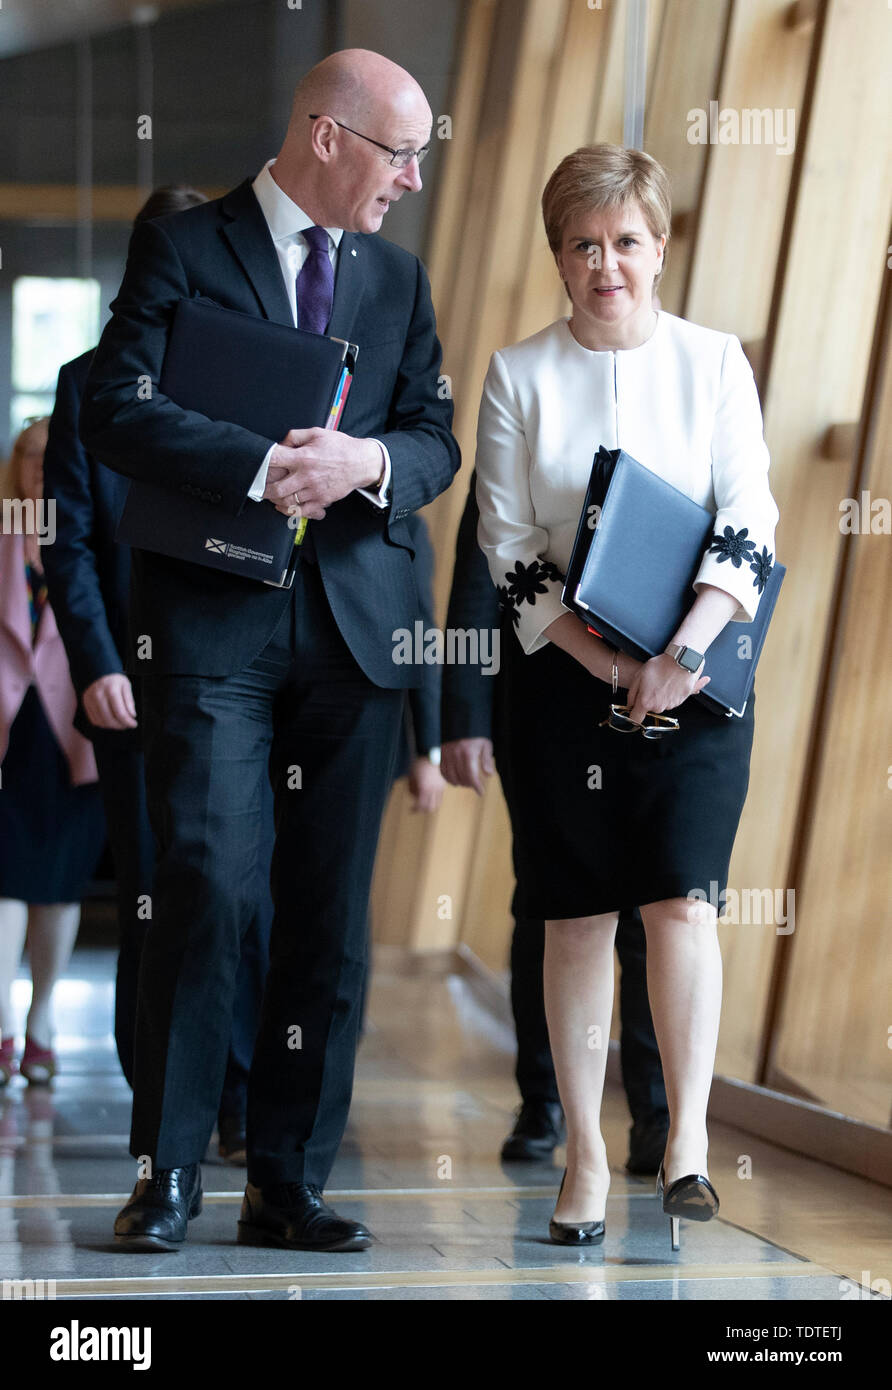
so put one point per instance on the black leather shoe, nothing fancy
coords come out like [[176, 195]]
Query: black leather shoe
[[296, 1217], [538, 1130], [233, 1146], [647, 1145], [160, 1209]]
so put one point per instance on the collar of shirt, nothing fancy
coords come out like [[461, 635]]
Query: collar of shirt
[[284, 218]]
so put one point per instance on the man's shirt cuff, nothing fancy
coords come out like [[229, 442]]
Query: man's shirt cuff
[[380, 495], [258, 486], [377, 495]]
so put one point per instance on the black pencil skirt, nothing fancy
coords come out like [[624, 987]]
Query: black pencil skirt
[[604, 820]]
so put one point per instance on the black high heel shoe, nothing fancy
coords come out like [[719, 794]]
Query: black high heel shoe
[[692, 1196], [575, 1232]]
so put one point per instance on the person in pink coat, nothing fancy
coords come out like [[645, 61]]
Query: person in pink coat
[[52, 825]]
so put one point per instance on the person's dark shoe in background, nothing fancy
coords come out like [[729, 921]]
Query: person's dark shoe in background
[[233, 1139], [160, 1209], [647, 1145], [538, 1130]]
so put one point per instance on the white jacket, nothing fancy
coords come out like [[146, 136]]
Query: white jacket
[[684, 404]]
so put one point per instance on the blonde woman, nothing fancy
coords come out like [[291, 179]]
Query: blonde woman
[[681, 399], [52, 826]]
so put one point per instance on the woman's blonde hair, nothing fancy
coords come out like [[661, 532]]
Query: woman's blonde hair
[[12, 479], [606, 176]]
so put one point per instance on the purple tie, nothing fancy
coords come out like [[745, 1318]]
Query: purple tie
[[315, 283]]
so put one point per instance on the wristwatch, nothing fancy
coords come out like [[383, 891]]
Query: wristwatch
[[685, 657]]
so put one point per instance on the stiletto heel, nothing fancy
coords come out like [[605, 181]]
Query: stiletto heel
[[692, 1196], [575, 1232]]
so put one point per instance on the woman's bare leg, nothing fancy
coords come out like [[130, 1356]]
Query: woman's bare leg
[[578, 979], [13, 921], [684, 983], [52, 931]]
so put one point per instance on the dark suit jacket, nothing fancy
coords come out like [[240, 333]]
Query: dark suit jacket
[[206, 622], [468, 693], [87, 573]]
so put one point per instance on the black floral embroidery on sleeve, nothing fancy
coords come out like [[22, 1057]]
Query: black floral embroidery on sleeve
[[733, 547], [507, 604], [526, 581], [761, 566]]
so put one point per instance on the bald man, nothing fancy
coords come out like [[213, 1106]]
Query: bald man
[[245, 680]]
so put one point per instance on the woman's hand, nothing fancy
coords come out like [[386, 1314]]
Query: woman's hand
[[659, 685]]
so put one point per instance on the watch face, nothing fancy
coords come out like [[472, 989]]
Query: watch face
[[690, 659]]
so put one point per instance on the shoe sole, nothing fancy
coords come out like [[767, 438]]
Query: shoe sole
[[591, 1240], [254, 1235], [149, 1244], [698, 1213]]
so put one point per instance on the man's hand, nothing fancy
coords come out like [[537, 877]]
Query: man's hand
[[109, 702], [426, 785], [310, 469], [464, 762]]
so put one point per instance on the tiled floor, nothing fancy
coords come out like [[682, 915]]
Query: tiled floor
[[433, 1101]]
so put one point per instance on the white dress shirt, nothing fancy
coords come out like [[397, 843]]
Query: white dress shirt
[[286, 222], [683, 403]]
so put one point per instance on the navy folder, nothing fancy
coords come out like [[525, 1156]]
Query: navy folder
[[638, 547], [265, 376]]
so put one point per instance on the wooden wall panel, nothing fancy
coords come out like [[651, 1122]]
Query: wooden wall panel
[[746, 188], [689, 51], [833, 1039], [818, 344], [576, 97], [731, 277]]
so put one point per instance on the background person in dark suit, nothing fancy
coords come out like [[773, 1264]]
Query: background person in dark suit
[[419, 751], [242, 677], [418, 757], [88, 575], [470, 708]]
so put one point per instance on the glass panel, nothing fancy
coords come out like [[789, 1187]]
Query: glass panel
[[53, 320], [24, 406]]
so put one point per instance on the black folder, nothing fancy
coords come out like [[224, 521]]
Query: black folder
[[249, 371], [639, 545]]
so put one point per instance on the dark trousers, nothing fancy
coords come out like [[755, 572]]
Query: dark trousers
[[642, 1071], [304, 714], [122, 780]]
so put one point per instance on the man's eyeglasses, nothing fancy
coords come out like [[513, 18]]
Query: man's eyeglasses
[[654, 726], [399, 158]]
